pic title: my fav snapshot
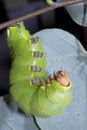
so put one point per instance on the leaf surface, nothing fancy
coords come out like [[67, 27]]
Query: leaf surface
[[78, 13], [11, 118], [64, 51]]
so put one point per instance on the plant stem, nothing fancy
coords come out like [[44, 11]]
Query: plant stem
[[39, 12]]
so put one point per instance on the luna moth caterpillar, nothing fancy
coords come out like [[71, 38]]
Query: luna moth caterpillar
[[31, 90]]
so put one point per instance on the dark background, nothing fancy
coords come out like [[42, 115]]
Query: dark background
[[58, 18]]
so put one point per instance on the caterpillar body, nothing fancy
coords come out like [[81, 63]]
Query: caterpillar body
[[31, 90]]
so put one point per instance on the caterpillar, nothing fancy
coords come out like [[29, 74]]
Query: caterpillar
[[35, 93]]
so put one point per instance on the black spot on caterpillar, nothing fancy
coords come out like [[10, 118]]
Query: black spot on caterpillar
[[31, 90]]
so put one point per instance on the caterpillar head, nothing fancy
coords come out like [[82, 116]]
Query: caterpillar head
[[61, 77], [53, 95], [57, 88]]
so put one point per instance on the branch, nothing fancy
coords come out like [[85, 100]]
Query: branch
[[39, 12]]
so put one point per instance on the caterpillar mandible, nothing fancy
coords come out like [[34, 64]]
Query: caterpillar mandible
[[31, 90]]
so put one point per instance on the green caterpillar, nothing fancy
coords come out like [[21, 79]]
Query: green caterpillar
[[31, 90]]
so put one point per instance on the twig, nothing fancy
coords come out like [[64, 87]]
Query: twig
[[41, 11]]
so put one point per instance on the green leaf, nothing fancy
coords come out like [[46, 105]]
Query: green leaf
[[64, 51], [78, 13], [11, 118]]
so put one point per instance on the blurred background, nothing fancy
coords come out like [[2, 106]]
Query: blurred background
[[58, 18]]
